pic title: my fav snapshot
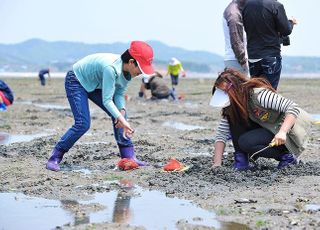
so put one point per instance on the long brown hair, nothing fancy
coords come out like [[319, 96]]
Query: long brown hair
[[239, 89]]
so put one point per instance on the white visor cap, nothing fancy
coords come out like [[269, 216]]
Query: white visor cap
[[219, 99]]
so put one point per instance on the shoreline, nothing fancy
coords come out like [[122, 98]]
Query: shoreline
[[190, 75]]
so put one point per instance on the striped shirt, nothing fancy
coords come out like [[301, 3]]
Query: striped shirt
[[268, 100]]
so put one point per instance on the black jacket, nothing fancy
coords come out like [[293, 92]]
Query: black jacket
[[265, 21]]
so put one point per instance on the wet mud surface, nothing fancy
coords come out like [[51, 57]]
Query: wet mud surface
[[262, 198]]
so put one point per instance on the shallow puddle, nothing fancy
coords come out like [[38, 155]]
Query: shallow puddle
[[191, 105], [7, 139], [181, 126], [45, 105], [52, 106], [134, 206], [316, 117], [76, 169], [22, 212], [312, 207]]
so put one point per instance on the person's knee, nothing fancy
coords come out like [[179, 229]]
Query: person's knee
[[82, 127]]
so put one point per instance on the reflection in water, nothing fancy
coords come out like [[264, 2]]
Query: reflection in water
[[121, 211], [73, 207]]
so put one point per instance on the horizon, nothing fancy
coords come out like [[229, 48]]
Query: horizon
[[194, 26], [88, 43]]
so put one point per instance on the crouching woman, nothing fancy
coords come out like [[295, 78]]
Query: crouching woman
[[254, 115]]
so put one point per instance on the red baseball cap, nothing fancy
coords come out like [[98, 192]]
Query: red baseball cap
[[143, 54]]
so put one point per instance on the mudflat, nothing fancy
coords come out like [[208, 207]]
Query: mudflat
[[265, 198]]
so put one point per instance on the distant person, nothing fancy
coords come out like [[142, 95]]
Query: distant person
[[6, 96], [42, 74], [174, 70], [158, 87], [267, 26], [235, 38], [103, 78], [254, 115]]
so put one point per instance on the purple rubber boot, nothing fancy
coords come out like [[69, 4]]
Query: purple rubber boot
[[241, 161], [286, 160], [54, 160], [128, 152]]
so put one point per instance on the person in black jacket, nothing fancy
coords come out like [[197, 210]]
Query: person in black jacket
[[42, 79], [266, 25]]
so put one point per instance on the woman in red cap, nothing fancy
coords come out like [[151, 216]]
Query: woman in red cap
[[103, 78]]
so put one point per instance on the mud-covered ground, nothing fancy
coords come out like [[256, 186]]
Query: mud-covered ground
[[280, 196]]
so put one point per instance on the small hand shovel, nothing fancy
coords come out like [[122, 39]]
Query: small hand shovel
[[272, 144]]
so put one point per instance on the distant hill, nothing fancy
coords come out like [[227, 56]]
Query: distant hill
[[34, 54]]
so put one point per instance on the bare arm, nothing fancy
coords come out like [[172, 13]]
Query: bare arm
[[218, 153], [281, 136]]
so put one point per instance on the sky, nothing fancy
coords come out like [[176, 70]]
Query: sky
[[189, 24]]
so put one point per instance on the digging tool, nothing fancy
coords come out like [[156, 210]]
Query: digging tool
[[272, 144]]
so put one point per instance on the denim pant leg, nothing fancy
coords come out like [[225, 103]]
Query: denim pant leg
[[96, 97], [257, 139], [78, 100], [255, 69], [172, 94], [269, 68]]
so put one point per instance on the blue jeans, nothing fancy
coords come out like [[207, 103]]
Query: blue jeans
[[79, 103], [174, 79], [257, 139], [269, 68]]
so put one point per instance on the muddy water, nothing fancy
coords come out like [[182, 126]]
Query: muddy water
[[23, 212], [132, 205], [181, 126], [7, 139]]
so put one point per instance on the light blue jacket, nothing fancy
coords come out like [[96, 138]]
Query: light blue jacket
[[104, 71]]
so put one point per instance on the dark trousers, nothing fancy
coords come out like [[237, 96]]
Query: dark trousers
[[257, 139], [79, 103], [171, 94], [174, 79], [42, 79], [269, 68]]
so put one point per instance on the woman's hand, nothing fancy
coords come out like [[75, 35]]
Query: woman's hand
[[280, 138], [122, 123], [116, 121]]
